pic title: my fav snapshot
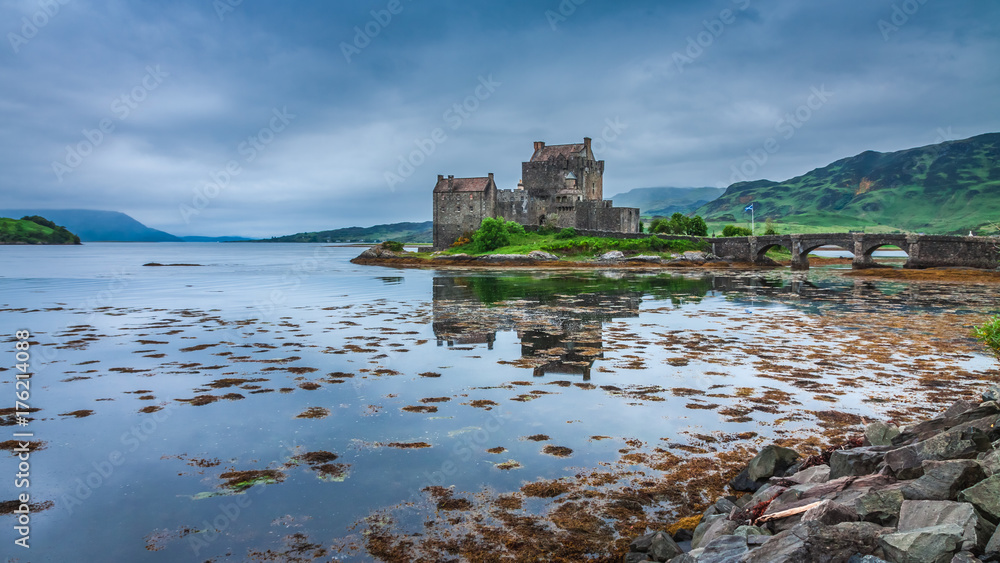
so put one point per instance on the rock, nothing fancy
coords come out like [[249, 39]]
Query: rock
[[695, 256], [769, 461], [702, 527], [815, 474], [921, 514], [815, 542], [543, 256], [724, 506], [964, 557], [689, 557], [683, 535], [985, 496], [724, 549], [865, 559], [744, 483], [880, 506], [633, 557], [942, 480], [830, 513], [645, 259], [960, 406], [663, 547], [936, 544], [880, 433], [854, 462], [613, 256], [984, 413], [721, 527], [990, 461], [746, 531], [993, 546], [992, 394], [956, 443], [642, 543]]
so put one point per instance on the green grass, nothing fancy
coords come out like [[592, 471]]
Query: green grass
[[581, 247], [17, 231]]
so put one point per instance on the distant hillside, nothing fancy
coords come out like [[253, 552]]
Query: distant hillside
[[97, 226], [34, 230], [948, 188], [666, 201], [402, 232], [215, 239]]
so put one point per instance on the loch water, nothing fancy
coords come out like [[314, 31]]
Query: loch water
[[151, 382]]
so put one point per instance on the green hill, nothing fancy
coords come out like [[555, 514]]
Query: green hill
[[948, 188], [34, 230], [666, 201], [402, 232], [94, 225]]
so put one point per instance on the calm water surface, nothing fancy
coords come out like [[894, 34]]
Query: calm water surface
[[268, 331]]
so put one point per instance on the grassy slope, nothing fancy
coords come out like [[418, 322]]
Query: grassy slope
[[950, 188], [17, 231], [580, 248]]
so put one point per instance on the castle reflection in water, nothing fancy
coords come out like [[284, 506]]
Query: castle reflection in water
[[559, 333]]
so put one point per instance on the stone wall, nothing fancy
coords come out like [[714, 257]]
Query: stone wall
[[545, 178], [456, 213]]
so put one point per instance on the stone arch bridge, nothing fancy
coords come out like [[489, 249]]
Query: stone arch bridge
[[922, 251]]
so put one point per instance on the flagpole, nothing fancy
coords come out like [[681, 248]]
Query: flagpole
[[752, 227]]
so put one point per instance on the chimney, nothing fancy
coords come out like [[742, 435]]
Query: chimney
[[451, 182], [539, 145], [490, 175], [440, 178], [586, 144]]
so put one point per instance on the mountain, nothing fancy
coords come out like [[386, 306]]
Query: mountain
[[402, 232], [34, 230], [95, 226], [666, 201], [948, 188]]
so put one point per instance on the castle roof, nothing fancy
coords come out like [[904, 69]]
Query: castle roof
[[555, 151], [462, 184]]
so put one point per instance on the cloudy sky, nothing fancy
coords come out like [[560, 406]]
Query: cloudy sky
[[245, 117]]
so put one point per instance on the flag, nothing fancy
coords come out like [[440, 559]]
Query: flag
[[748, 208]]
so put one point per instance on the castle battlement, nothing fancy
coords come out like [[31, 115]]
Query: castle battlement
[[561, 185]]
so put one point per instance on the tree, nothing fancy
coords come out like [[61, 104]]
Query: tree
[[769, 227], [678, 224], [495, 233], [697, 227]]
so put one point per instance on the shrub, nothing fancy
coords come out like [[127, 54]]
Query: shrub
[[495, 233], [769, 227], [392, 246], [461, 241], [697, 227], [989, 334], [568, 232], [734, 231]]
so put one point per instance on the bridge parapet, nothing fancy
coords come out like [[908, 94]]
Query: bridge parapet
[[923, 251]]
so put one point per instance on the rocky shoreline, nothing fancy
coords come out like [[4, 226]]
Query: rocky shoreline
[[927, 493], [379, 256]]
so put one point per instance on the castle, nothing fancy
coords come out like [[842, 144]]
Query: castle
[[561, 185]]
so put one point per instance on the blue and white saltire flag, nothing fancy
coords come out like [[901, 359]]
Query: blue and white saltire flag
[[748, 208]]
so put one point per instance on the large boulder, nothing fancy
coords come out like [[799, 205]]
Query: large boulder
[[724, 549], [816, 543], [543, 256], [880, 433], [937, 544], [982, 416], [992, 394], [772, 460], [942, 480], [990, 460], [993, 546], [814, 474], [880, 506], [655, 546], [612, 256], [986, 497], [830, 513], [921, 514], [854, 462], [964, 442], [717, 528], [702, 527]]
